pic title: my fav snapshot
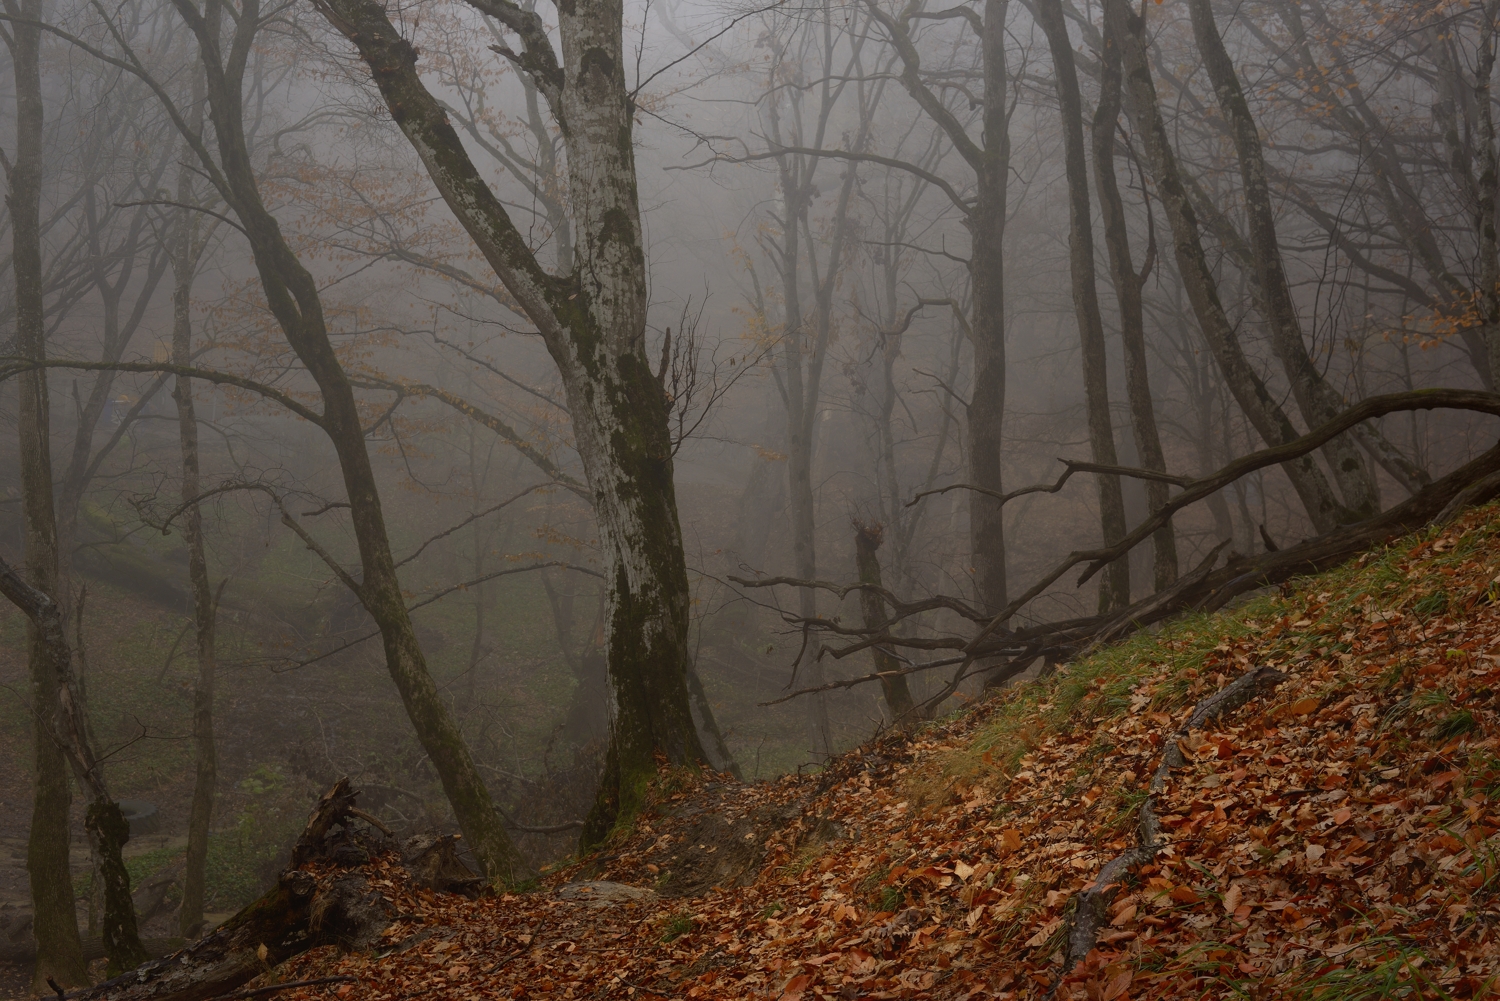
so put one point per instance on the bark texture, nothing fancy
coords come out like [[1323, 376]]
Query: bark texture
[[205, 761], [104, 822], [1249, 390], [330, 903], [1316, 399], [593, 322], [1114, 592], [1128, 284], [893, 686], [59, 947], [292, 295]]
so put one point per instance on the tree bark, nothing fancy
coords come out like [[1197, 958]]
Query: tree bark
[[330, 903], [292, 295], [893, 686], [593, 323], [104, 822], [1128, 285], [1316, 399], [59, 947], [1486, 187], [987, 324], [184, 253], [1114, 591], [1249, 390]]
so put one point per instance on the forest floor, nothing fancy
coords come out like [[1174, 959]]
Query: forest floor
[[1335, 837]]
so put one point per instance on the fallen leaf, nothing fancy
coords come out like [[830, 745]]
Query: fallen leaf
[[795, 987], [1184, 895], [1302, 707], [1232, 899]]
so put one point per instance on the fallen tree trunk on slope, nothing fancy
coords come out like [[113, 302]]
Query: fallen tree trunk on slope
[[1203, 589], [324, 897]]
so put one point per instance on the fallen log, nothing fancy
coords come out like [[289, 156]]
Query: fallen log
[[324, 897]]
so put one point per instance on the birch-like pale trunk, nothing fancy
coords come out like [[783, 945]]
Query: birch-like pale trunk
[[593, 322]]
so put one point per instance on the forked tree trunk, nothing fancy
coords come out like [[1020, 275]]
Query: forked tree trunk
[[59, 947], [1114, 591], [1260, 407], [593, 322], [1128, 284], [1317, 400]]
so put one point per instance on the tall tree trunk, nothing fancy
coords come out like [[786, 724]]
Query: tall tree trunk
[[1487, 185], [59, 948], [1114, 591], [1318, 401], [1260, 407], [205, 773], [898, 700], [292, 294], [987, 324], [1128, 284], [593, 322]]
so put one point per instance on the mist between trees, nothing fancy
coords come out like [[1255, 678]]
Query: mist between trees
[[495, 402]]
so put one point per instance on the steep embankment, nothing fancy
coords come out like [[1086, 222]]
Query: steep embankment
[[1330, 833]]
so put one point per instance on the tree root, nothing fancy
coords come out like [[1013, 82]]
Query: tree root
[[1091, 905]]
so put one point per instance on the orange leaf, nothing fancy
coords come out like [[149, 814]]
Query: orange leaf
[[795, 987], [1303, 706], [1184, 895]]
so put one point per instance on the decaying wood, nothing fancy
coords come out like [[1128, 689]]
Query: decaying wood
[[329, 903]]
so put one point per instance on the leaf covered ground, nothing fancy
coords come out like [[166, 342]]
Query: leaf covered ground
[[1335, 838]]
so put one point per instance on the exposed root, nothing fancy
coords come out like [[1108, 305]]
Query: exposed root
[[1092, 904]]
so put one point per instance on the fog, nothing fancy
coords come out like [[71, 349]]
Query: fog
[[476, 355]]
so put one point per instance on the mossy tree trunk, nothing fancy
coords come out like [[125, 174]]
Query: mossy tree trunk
[[593, 320]]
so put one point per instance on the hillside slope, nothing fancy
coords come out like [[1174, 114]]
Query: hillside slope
[[1332, 837]]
